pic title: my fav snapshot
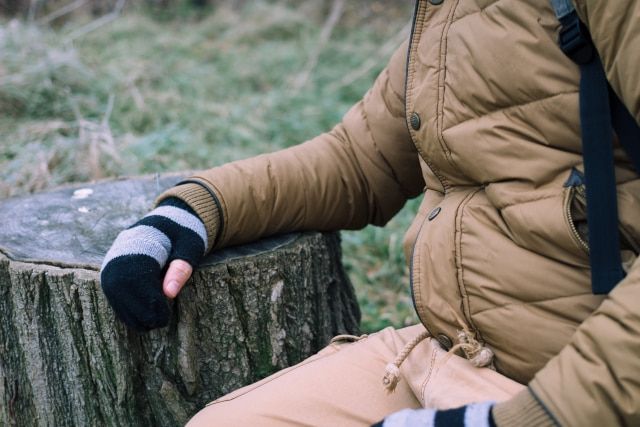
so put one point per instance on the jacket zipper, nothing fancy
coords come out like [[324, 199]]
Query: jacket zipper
[[581, 197], [417, 11], [411, 275], [579, 192]]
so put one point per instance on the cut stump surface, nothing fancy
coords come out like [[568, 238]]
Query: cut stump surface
[[65, 360]]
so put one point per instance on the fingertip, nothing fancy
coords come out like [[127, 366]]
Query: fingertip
[[178, 273], [171, 289]]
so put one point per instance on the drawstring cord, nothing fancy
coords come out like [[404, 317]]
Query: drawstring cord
[[392, 370], [478, 354]]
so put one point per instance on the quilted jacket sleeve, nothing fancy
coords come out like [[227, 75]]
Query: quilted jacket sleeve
[[359, 173], [595, 380]]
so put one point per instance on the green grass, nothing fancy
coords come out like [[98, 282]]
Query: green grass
[[152, 93]]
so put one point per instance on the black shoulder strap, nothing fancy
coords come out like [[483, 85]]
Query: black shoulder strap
[[600, 111]]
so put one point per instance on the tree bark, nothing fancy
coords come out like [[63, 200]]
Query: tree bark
[[65, 360]]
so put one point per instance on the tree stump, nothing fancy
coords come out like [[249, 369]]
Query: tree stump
[[65, 360]]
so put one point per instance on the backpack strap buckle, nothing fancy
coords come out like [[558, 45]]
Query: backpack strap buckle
[[575, 41]]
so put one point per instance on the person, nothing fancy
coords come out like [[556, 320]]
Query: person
[[479, 111]]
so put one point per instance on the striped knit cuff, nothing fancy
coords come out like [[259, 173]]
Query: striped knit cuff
[[522, 410], [203, 204], [472, 415]]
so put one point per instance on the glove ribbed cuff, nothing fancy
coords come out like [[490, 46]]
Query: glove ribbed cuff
[[522, 410], [202, 203]]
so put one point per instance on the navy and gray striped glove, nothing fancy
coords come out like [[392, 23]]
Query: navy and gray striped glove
[[472, 415], [133, 269]]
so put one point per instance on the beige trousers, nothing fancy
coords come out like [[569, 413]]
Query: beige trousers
[[342, 386]]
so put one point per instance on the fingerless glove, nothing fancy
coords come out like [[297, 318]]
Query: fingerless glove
[[472, 415], [133, 269]]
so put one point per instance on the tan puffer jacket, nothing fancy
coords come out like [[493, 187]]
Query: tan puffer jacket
[[485, 112]]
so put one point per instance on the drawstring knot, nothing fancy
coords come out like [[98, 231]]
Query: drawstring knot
[[392, 370], [479, 355], [391, 377]]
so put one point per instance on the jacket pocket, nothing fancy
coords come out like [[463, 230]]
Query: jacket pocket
[[575, 211], [575, 208]]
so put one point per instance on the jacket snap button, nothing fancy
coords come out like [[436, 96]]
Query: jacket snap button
[[415, 121], [434, 213], [436, 2], [444, 341]]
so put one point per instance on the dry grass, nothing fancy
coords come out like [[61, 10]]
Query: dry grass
[[147, 93]]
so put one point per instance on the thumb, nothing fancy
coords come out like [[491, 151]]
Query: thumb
[[177, 275]]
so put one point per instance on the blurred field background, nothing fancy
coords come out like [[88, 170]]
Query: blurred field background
[[103, 88]]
